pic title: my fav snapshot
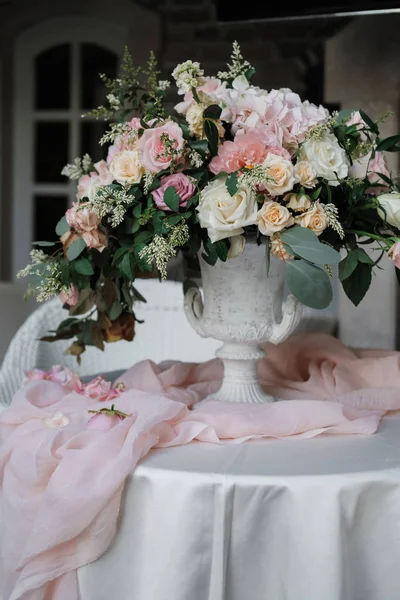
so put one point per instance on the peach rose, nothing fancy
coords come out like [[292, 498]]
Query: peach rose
[[126, 167], [280, 170], [278, 248], [273, 217], [394, 254], [159, 146], [305, 174], [69, 296], [297, 202], [314, 219]]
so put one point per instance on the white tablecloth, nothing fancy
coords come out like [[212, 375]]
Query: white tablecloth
[[294, 519]]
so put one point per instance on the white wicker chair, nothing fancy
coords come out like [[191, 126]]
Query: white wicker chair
[[164, 335]]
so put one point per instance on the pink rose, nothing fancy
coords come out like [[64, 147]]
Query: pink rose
[[86, 223], [97, 389], [394, 254], [160, 146], [102, 422], [135, 123], [89, 184], [370, 167], [69, 296], [246, 150], [181, 183]]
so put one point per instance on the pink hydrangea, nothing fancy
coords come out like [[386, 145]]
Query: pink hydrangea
[[160, 146], [181, 183]]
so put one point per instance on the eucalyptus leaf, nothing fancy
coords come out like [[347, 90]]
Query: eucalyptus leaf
[[43, 244], [356, 286], [62, 227], [76, 248], [310, 249], [310, 284], [115, 311], [83, 266]]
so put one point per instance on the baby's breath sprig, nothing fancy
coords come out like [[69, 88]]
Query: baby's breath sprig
[[111, 203], [148, 179], [331, 212], [118, 130], [160, 250], [255, 177], [79, 167], [237, 67]]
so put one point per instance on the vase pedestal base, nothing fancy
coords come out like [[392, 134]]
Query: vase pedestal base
[[240, 382]]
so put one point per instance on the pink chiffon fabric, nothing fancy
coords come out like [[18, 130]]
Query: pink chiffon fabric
[[61, 487]]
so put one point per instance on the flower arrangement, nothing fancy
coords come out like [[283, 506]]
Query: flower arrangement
[[231, 160]]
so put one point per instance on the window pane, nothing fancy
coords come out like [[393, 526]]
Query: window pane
[[52, 78], [50, 151], [48, 210], [95, 60], [91, 133]]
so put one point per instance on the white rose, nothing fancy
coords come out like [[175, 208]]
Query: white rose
[[224, 215], [297, 202], [273, 217], [328, 159], [280, 170], [305, 174], [390, 204], [278, 248], [314, 219], [126, 167]]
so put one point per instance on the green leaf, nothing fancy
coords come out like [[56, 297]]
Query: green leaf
[[347, 265], [211, 131], [127, 266], [249, 73], [363, 257], [310, 284], [315, 194], [119, 254], [137, 210], [135, 226], [62, 227], [385, 178], [212, 112], [171, 198], [138, 295], [232, 184], [83, 266], [76, 248], [373, 126], [221, 248], [143, 237], [192, 201], [210, 255], [174, 220], [356, 286], [43, 244], [201, 146], [115, 311], [309, 247], [189, 284], [388, 143]]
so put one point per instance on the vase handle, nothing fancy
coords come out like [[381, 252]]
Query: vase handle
[[194, 307], [291, 315]]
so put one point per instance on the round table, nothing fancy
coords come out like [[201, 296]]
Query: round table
[[289, 519]]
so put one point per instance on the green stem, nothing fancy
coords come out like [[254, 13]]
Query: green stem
[[373, 236]]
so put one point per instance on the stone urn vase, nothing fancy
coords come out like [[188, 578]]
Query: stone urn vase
[[243, 307]]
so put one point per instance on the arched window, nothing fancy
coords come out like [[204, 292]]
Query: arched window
[[56, 80]]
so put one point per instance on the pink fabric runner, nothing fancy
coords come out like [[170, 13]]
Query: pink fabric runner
[[61, 487]]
